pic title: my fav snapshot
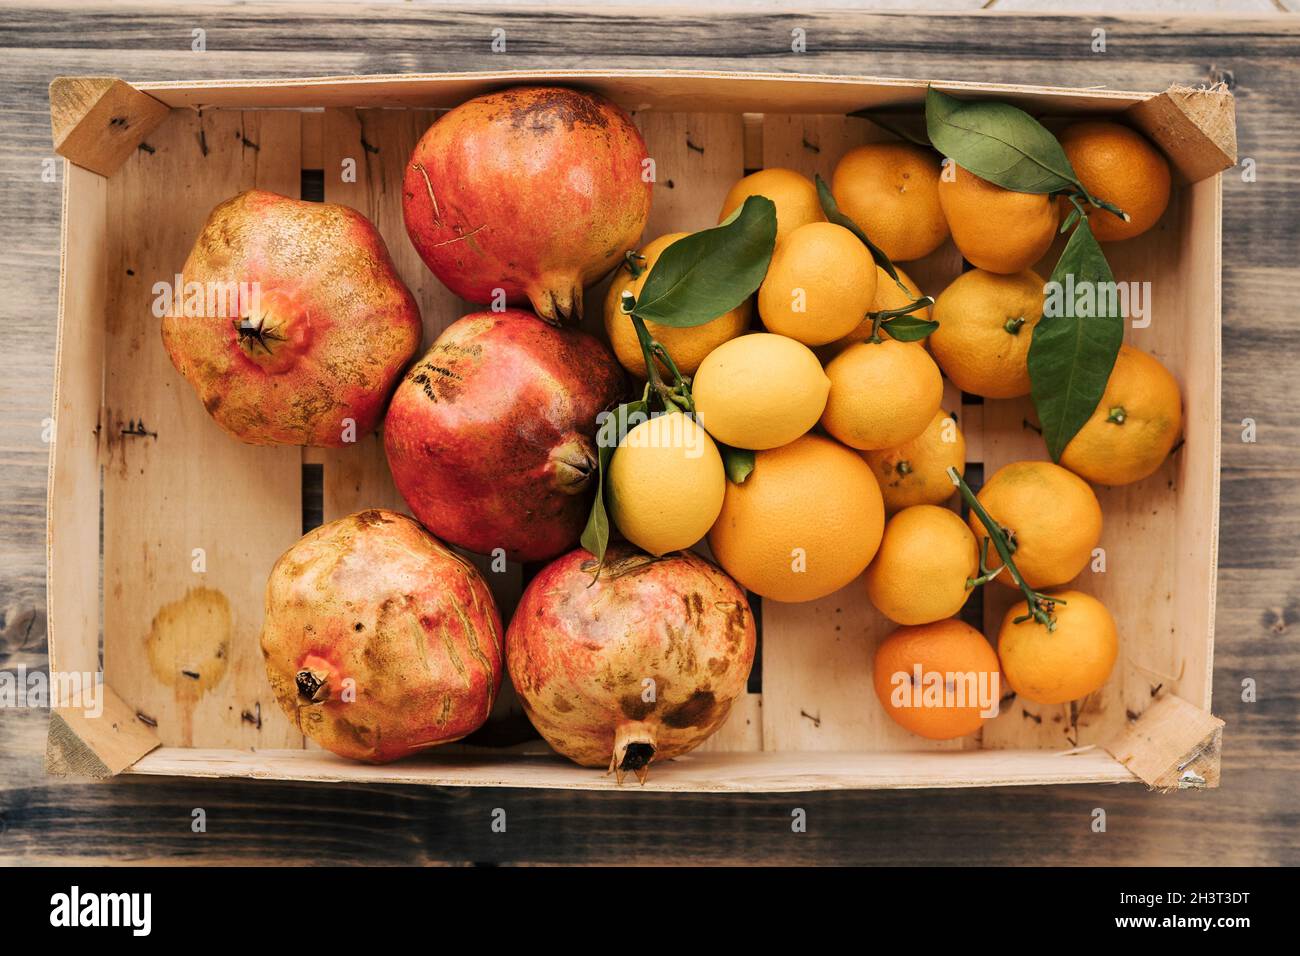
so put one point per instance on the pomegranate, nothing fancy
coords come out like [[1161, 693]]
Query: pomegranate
[[490, 436], [536, 191], [293, 325], [379, 641], [641, 664]]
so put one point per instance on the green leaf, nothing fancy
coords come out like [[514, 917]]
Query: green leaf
[[909, 328], [832, 210], [1071, 356], [595, 536], [709, 273], [998, 142], [738, 462]]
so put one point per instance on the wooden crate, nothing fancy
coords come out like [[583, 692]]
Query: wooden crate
[[144, 167]]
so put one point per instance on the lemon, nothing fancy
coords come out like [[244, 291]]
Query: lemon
[[805, 523], [794, 194], [760, 391], [919, 574], [686, 346], [819, 285], [882, 394], [666, 483]]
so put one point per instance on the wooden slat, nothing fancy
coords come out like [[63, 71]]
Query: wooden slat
[[72, 539], [173, 480], [697, 772], [98, 121]]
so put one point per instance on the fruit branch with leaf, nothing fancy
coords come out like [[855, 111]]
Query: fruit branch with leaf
[[1041, 607]]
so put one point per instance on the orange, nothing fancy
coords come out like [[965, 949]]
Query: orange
[[794, 194], [996, 229], [1064, 664], [687, 347], [805, 523], [1052, 515], [916, 472], [888, 296], [1119, 165], [959, 684], [921, 570], [882, 394], [986, 322], [820, 283], [1134, 426], [891, 190]]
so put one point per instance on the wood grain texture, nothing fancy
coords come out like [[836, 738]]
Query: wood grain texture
[[1250, 820]]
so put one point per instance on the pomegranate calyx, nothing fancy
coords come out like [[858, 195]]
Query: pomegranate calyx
[[574, 465], [313, 686], [634, 750]]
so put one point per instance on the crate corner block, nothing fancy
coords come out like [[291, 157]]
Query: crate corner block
[[97, 122]]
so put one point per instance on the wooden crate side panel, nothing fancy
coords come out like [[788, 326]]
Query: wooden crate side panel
[[696, 772], [817, 656], [72, 519], [181, 646], [1198, 328]]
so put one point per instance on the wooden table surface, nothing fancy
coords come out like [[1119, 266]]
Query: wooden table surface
[[1253, 819]]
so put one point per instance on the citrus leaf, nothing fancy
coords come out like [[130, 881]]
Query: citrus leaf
[[832, 210], [738, 463], [909, 328], [1071, 355], [998, 142], [595, 536], [709, 273]]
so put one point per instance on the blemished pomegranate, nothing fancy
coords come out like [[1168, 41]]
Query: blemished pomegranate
[[293, 325], [379, 641], [491, 436], [535, 191], [639, 665]]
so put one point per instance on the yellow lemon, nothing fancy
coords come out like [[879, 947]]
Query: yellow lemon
[[916, 472], [891, 190], [1064, 664], [986, 322], [666, 483], [882, 394], [819, 285], [686, 346], [920, 573], [1052, 515], [888, 296], [760, 391], [794, 194], [806, 522], [1134, 426]]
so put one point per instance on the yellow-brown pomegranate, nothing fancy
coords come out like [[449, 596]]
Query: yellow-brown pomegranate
[[638, 664], [379, 641]]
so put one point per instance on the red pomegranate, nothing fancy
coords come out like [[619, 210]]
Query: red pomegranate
[[640, 664], [291, 322], [491, 436], [379, 641], [536, 191]]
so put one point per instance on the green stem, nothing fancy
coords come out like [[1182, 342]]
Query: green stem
[[678, 396], [1040, 606]]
